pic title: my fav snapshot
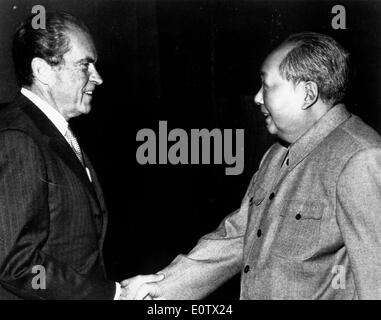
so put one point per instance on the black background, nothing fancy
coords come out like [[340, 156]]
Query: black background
[[194, 64]]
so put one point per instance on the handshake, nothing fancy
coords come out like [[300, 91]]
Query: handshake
[[142, 287]]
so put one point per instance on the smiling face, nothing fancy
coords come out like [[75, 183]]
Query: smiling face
[[75, 79], [281, 101]]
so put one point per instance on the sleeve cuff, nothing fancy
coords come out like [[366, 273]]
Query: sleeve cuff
[[118, 291]]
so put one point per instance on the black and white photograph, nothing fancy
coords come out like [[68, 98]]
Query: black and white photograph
[[201, 150]]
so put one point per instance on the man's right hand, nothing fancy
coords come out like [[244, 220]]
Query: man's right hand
[[141, 287]]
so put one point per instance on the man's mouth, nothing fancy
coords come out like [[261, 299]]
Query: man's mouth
[[266, 114], [89, 92]]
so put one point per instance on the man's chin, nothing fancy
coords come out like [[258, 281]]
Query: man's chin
[[271, 128], [85, 109]]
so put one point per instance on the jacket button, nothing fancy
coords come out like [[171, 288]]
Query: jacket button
[[259, 233], [298, 216], [272, 195], [246, 270]]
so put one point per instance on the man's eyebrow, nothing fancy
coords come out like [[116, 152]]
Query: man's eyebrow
[[87, 59]]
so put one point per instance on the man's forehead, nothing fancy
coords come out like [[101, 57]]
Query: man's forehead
[[81, 45], [274, 59]]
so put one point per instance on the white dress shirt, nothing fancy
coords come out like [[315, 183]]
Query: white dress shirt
[[62, 125]]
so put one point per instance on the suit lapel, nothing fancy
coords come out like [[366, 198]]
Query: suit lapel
[[100, 197], [96, 185]]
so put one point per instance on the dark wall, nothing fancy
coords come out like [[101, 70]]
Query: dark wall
[[194, 64]]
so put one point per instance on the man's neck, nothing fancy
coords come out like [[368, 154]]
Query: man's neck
[[45, 95], [314, 114]]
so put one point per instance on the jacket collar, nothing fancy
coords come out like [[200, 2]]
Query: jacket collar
[[316, 134]]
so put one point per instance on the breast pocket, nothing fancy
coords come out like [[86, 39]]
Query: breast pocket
[[255, 208], [298, 231], [258, 196]]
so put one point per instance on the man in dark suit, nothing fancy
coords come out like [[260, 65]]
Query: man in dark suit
[[53, 215]]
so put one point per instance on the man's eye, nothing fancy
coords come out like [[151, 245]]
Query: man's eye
[[85, 65]]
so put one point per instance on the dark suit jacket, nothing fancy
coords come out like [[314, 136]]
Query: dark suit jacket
[[51, 215]]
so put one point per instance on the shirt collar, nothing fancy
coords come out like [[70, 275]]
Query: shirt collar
[[52, 114], [321, 129]]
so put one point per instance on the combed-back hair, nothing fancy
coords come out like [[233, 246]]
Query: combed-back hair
[[319, 58], [50, 43]]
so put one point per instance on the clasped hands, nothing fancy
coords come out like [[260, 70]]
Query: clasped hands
[[142, 287]]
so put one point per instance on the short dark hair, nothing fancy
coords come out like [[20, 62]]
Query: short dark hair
[[319, 58], [50, 43]]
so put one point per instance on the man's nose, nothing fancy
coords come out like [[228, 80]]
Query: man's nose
[[258, 99], [95, 76]]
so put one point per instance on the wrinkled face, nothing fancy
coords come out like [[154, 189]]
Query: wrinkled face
[[75, 79], [280, 100]]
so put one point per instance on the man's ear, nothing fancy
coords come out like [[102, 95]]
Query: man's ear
[[311, 94], [42, 71]]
